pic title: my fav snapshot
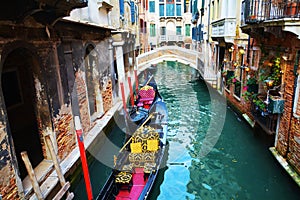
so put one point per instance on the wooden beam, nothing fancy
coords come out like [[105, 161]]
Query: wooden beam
[[34, 182], [55, 161]]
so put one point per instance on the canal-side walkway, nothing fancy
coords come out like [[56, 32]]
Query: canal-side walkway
[[52, 180]]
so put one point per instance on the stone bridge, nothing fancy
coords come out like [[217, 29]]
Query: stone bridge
[[185, 56]]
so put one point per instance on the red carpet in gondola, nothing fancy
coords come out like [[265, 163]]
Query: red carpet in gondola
[[137, 187]]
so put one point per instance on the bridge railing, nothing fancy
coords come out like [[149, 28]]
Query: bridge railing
[[174, 53]]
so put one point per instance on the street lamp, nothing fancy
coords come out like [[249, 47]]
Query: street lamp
[[269, 84]]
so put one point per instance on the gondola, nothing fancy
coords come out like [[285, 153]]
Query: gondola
[[139, 160], [146, 98]]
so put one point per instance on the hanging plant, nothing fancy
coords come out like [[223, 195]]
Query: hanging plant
[[271, 71], [275, 72]]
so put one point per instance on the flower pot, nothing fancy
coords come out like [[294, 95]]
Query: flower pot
[[291, 9]]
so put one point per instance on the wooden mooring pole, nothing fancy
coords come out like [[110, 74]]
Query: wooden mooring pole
[[136, 81], [34, 182], [131, 91], [123, 98], [85, 167]]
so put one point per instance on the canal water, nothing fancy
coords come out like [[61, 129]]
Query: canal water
[[213, 154]]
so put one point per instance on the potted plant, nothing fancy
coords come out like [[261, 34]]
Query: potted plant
[[252, 85], [260, 106]]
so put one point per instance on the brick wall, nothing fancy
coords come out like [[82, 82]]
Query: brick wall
[[243, 106], [107, 96], [83, 102], [8, 188], [65, 131], [294, 145]]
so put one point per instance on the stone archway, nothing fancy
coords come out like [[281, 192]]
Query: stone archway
[[17, 84]]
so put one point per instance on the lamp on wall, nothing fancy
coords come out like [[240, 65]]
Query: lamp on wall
[[242, 52], [230, 50], [269, 83]]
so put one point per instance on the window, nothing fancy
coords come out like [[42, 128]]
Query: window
[[152, 6], [163, 30], [254, 62], [161, 10], [178, 30], [11, 88], [178, 9], [152, 30], [170, 10], [187, 30]]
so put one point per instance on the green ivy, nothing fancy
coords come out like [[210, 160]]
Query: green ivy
[[275, 72]]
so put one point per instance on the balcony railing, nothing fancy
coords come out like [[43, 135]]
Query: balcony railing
[[171, 38], [265, 118], [254, 11], [224, 27]]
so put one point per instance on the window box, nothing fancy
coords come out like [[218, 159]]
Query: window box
[[276, 105]]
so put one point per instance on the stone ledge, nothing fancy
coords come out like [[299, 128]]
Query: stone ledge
[[295, 176]]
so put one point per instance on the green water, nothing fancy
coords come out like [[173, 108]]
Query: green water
[[212, 152], [238, 166]]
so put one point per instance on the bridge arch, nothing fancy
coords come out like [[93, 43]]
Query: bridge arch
[[174, 53]]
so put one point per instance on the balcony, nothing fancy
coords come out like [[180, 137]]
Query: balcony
[[224, 28], [171, 38], [255, 11], [266, 114]]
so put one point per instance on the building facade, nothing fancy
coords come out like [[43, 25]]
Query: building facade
[[58, 60], [274, 52], [251, 47], [169, 23]]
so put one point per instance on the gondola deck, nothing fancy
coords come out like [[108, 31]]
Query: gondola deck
[[139, 160]]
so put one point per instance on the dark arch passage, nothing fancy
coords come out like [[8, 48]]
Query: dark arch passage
[[20, 100]]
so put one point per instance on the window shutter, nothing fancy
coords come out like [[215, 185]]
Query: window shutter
[[121, 2], [132, 8]]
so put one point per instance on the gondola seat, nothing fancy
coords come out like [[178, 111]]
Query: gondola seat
[[124, 180], [146, 96]]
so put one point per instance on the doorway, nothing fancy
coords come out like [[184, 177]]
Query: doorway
[[20, 100]]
